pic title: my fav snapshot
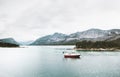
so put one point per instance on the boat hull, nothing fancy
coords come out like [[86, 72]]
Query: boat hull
[[72, 56]]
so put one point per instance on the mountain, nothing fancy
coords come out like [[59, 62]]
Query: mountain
[[25, 42], [89, 35], [9, 40], [50, 39]]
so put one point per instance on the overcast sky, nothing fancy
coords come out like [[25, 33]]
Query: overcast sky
[[29, 19]]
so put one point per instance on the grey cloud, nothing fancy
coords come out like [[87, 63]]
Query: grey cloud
[[30, 16]]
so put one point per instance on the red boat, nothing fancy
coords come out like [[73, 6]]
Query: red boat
[[71, 55]]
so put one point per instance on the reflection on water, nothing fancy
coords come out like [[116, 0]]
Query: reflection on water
[[49, 61]]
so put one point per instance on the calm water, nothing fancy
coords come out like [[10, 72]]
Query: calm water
[[48, 61]]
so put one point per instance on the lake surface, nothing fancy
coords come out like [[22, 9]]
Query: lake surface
[[48, 61]]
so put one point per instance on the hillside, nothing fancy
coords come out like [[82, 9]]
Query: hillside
[[8, 42], [2, 44], [98, 45]]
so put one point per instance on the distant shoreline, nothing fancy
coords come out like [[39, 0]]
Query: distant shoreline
[[96, 49], [10, 47]]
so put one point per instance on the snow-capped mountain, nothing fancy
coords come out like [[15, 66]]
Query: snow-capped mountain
[[90, 35], [56, 37]]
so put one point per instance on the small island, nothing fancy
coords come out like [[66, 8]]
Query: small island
[[98, 45]]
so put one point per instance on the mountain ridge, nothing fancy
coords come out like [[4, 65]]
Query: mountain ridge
[[89, 35]]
